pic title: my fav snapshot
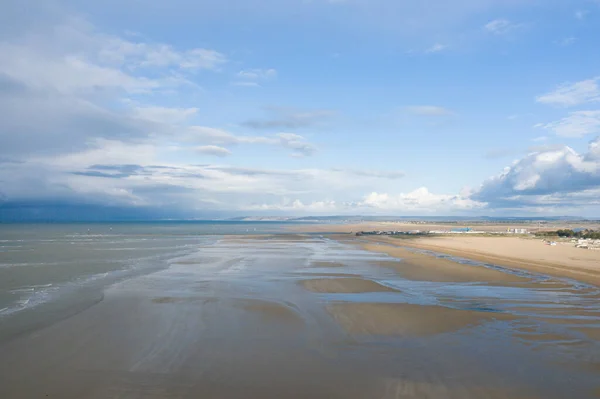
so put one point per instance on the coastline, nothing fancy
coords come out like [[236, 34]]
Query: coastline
[[307, 315], [518, 253], [576, 266]]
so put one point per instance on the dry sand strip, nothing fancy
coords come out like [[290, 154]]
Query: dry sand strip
[[406, 319], [512, 252], [344, 286], [422, 267]]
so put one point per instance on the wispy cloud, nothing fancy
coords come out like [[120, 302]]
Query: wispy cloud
[[297, 143], [576, 124], [212, 137], [497, 153], [257, 74], [286, 118], [567, 41], [252, 77], [581, 14], [436, 48], [245, 84], [571, 94], [392, 175], [213, 150], [163, 114], [428, 110], [501, 26]]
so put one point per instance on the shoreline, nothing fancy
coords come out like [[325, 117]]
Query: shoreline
[[301, 316], [589, 275], [513, 252]]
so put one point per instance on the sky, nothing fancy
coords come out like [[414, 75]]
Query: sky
[[302, 107]]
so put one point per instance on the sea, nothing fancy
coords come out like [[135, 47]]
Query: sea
[[53, 270]]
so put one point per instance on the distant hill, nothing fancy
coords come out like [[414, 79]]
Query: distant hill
[[430, 219]]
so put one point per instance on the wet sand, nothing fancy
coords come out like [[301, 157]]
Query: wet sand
[[344, 285], [250, 318], [417, 266], [527, 253], [406, 320], [563, 260]]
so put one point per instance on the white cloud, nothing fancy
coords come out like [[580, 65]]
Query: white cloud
[[393, 175], [257, 74], [74, 57], [289, 118], [571, 94], [500, 153], [103, 151], [314, 207], [436, 48], [428, 110], [213, 150], [419, 200], [67, 73], [252, 77], [581, 14], [567, 41], [501, 26], [297, 143], [133, 174], [551, 172], [245, 84], [118, 51], [64, 85], [164, 114], [577, 124]]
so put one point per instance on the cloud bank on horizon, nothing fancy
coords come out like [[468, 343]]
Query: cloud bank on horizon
[[302, 107]]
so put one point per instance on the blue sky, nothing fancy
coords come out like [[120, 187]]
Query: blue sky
[[303, 106]]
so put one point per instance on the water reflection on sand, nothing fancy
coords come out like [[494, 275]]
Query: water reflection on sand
[[306, 316]]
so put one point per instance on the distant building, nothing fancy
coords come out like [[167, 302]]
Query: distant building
[[461, 230], [517, 231]]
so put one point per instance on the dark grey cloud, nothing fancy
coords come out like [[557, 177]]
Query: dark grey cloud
[[42, 122], [10, 86], [124, 171], [60, 210], [93, 173], [9, 160], [129, 169], [113, 171]]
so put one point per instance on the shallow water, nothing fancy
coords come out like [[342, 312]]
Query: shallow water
[[62, 268], [546, 350], [228, 318]]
